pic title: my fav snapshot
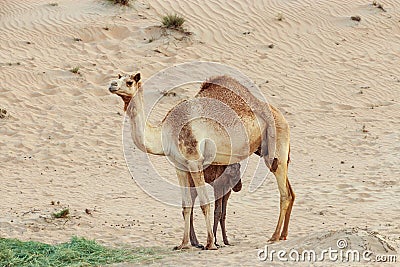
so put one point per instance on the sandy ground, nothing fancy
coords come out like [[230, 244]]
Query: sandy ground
[[336, 80]]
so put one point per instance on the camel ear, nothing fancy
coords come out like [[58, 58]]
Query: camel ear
[[119, 76], [136, 78]]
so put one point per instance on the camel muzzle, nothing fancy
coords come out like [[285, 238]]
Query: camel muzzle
[[112, 89]]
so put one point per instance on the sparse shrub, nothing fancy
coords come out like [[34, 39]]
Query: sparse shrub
[[61, 214], [378, 5], [279, 16], [173, 21], [168, 93], [120, 2], [3, 113], [74, 70]]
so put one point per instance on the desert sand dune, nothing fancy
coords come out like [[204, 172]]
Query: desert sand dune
[[336, 80]]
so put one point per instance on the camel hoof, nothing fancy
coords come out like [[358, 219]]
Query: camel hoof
[[282, 238], [273, 240], [211, 247], [181, 247], [200, 246], [227, 243]]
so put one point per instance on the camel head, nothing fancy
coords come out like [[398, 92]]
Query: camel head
[[233, 172], [126, 86]]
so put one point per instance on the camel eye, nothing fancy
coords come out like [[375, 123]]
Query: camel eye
[[129, 84]]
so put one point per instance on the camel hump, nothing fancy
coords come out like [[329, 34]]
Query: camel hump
[[230, 92]]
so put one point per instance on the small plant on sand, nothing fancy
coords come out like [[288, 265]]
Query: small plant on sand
[[168, 93], [75, 70], [61, 214], [3, 113], [378, 5], [151, 39], [120, 2], [53, 4], [279, 16], [173, 21], [355, 18]]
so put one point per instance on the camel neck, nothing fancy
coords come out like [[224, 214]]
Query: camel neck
[[127, 100], [145, 136]]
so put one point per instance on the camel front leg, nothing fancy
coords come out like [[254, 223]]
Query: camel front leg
[[193, 238], [217, 217], [183, 178], [198, 179], [223, 217]]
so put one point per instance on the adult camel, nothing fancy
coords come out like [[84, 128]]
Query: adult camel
[[191, 137]]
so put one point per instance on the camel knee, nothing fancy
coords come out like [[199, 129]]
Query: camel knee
[[287, 197], [186, 211], [223, 216], [217, 213], [292, 196], [205, 209], [291, 192], [285, 201]]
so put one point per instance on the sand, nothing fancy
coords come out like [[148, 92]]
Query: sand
[[336, 80]]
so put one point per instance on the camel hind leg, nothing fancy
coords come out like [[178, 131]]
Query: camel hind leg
[[286, 192], [280, 170], [288, 212], [217, 217], [223, 217], [286, 202]]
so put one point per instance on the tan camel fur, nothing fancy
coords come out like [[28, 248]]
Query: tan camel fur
[[192, 141]]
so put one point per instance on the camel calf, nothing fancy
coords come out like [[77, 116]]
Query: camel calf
[[222, 178]]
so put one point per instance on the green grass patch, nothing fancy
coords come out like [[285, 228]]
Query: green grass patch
[[77, 252]]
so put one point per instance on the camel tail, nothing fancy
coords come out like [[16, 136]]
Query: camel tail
[[268, 147], [268, 139]]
